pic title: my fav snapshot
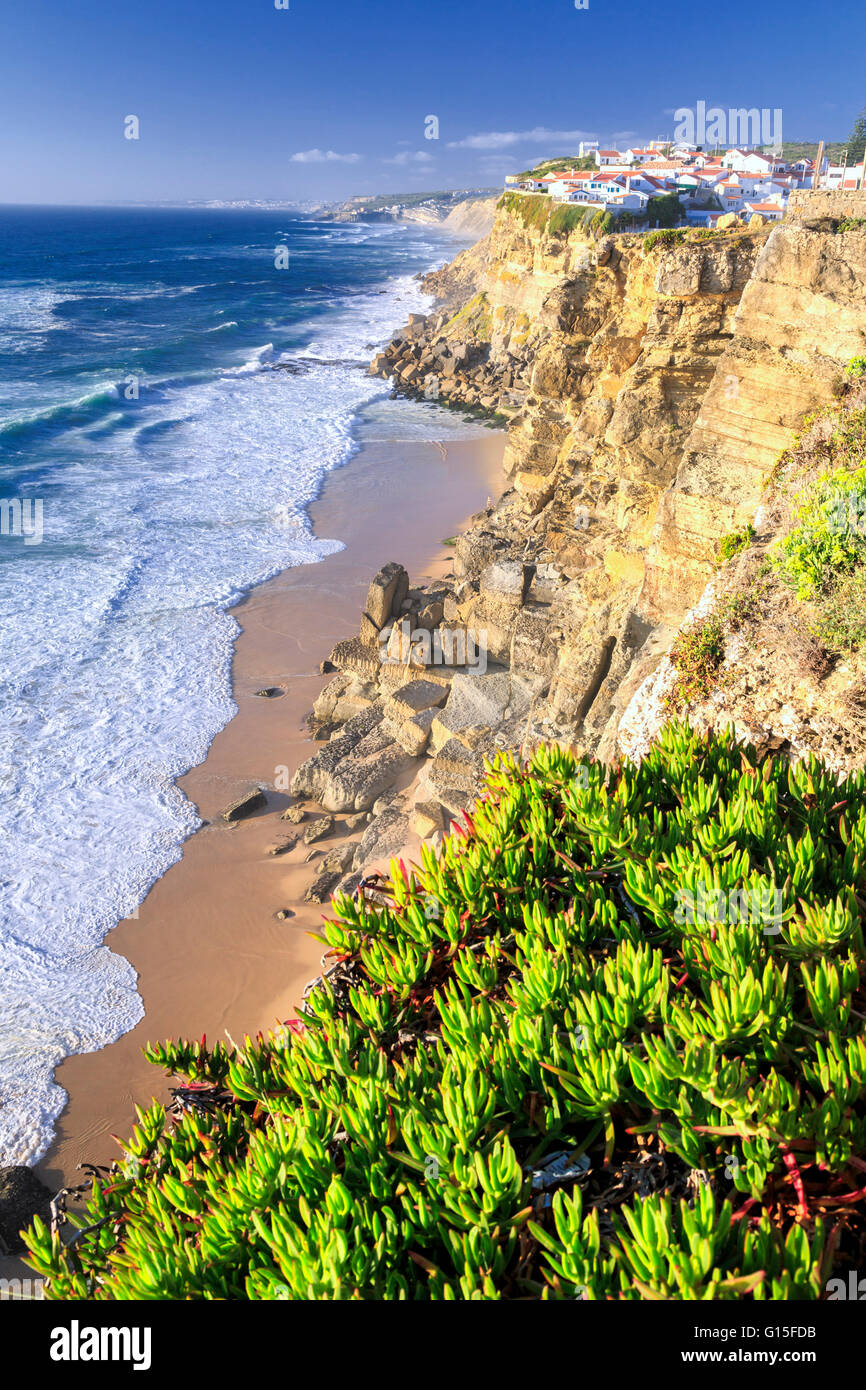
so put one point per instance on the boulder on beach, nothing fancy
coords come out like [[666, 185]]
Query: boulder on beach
[[427, 819], [384, 836], [245, 805], [22, 1196], [386, 593], [318, 829], [361, 779], [323, 885], [311, 778]]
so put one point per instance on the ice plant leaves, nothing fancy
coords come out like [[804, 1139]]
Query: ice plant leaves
[[538, 988]]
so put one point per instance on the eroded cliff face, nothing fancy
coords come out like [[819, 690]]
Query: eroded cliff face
[[602, 354], [649, 394], [649, 389], [801, 318]]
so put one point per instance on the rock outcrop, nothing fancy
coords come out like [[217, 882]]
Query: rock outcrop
[[22, 1196], [649, 388]]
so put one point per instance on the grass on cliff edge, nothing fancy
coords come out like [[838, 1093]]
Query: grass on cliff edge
[[564, 1062], [555, 219]]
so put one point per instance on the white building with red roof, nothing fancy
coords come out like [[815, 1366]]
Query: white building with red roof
[[845, 176], [774, 212], [753, 162], [730, 194]]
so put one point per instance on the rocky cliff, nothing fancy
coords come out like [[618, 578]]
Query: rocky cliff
[[649, 384]]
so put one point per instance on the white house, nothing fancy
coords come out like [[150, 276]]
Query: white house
[[564, 184], [845, 176], [664, 168], [772, 211], [581, 195], [712, 174], [730, 195], [626, 200], [780, 189], [515, 184], [606, 157], [587, 147], [752, 183], [602, 183], [753, 162], [767, 187], [686, 184], [646, 183], [801, 172], [640, 155]]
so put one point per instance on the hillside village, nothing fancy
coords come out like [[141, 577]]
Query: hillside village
[[743, 182]]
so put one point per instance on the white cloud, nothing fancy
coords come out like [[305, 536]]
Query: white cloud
[[504, 139], [496, 164], [324, 157], [411, 157]]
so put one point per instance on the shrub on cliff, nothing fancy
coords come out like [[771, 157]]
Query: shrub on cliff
[[666, 210], [734, 543], [698, 650], [567, 217], [668, 236], [607, 1044], [829, 539]]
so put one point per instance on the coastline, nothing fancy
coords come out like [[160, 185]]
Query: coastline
[[209, 951]]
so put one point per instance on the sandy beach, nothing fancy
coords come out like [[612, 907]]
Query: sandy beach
[[210, 952]]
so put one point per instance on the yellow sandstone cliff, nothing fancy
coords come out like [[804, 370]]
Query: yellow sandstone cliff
[[650, 385]]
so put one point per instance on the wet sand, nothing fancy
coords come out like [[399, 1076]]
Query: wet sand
[[210, 953]]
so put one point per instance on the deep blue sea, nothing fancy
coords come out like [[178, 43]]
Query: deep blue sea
[[159, 457]]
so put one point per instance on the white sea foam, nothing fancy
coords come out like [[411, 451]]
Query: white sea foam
[[115, 670], [26, 315]]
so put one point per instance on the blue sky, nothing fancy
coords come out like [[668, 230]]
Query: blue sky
[[229, 93]]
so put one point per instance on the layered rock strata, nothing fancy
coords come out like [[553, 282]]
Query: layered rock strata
[[649, 390]]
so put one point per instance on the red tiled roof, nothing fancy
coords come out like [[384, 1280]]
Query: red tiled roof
[[756, 154]]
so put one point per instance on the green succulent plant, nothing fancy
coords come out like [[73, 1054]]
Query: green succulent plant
[[569, 1080]]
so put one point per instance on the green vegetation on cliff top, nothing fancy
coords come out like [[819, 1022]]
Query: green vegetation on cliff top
[[537, 211]]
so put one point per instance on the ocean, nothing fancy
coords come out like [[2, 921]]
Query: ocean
[[174, 387]]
